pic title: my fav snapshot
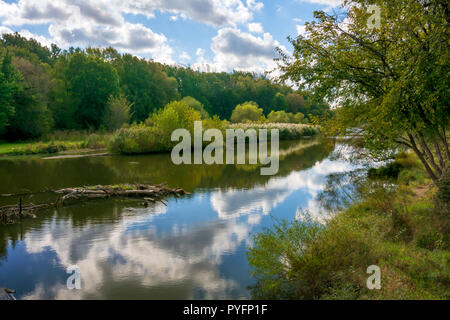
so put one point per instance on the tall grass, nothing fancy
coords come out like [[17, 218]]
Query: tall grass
[[58, 141], [288, 131], [406, 235]]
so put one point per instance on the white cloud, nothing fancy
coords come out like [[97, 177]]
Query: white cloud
[[255, 27], [301, 30], [101, 22], [184, 57], [255, 5], [237, 50], [213, 12], [83, 23], [5, 30], [329, 3], [200, 52]]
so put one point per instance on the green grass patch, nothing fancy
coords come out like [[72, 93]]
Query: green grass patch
[[395, 229], [49, 145]]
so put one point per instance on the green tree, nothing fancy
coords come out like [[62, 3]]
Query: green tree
[[8, 87], [299, 118], [280, 117], [196, 105], [247, 112], [175, 115], [392, 81], [295, 102], [29, 47], [145, 85], [279, 102], [60, 99], [32, 117], [91, 82], [117, 113]]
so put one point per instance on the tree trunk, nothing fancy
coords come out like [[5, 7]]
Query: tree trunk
[[429, 154], [422, 159]]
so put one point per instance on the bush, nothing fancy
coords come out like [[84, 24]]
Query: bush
[[175, 115], [405, 236], [286, 131], [406, 168], [280, 117], [155, 135], [134, 140], [247, 112], [391, 170], [117, 113], [196, 105], [299, 118]]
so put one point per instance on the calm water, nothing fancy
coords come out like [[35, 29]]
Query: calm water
[[193, 248]]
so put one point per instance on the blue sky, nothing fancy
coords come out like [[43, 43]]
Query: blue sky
[[219, 35]]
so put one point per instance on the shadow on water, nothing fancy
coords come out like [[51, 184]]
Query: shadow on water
[[193, 248]]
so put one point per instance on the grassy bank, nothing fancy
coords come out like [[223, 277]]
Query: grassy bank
[[399, 225], [141, 139], [288, 131], [57, 142]]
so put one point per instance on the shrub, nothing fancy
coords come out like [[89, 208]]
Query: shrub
[[299, 118], [280, 117], [117, 113], [286, 131], [405, 236], [155, 135], [196, 105], [246, 112], [391, 170], [134, 140], [175, 115]]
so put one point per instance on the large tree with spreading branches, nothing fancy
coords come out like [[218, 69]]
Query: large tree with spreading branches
[[390, 81]]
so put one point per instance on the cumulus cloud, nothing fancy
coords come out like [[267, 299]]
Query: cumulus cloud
[[255, 27], [329, 3], [86, 23], [237, 50], [184, 57], [200, 52], [101, 22], [133, 38], [213, 12]]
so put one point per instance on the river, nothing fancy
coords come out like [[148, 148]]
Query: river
[[193, 248]]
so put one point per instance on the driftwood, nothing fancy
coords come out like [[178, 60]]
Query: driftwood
[[9, 214], [149, 193]]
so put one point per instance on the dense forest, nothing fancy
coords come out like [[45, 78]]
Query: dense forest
[[44, 89]]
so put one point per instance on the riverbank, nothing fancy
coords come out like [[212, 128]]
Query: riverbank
[[400, 223], [148, 193], [134, 140], [59, 142]]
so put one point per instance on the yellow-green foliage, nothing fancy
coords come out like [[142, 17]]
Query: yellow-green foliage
[[117, 113], [406, 236], [287, 131], [155, 134], [247, 112], [175, 115], [196, 105], [285, 117]]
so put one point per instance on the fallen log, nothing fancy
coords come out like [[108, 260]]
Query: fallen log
[[150, 193]]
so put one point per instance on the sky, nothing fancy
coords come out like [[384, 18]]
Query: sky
[[208, 35]]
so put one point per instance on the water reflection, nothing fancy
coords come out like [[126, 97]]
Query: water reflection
[[192, 249]]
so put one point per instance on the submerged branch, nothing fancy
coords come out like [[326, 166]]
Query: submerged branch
[[149, 193]]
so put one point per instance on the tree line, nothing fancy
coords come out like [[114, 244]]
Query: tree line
[[44, 89]]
